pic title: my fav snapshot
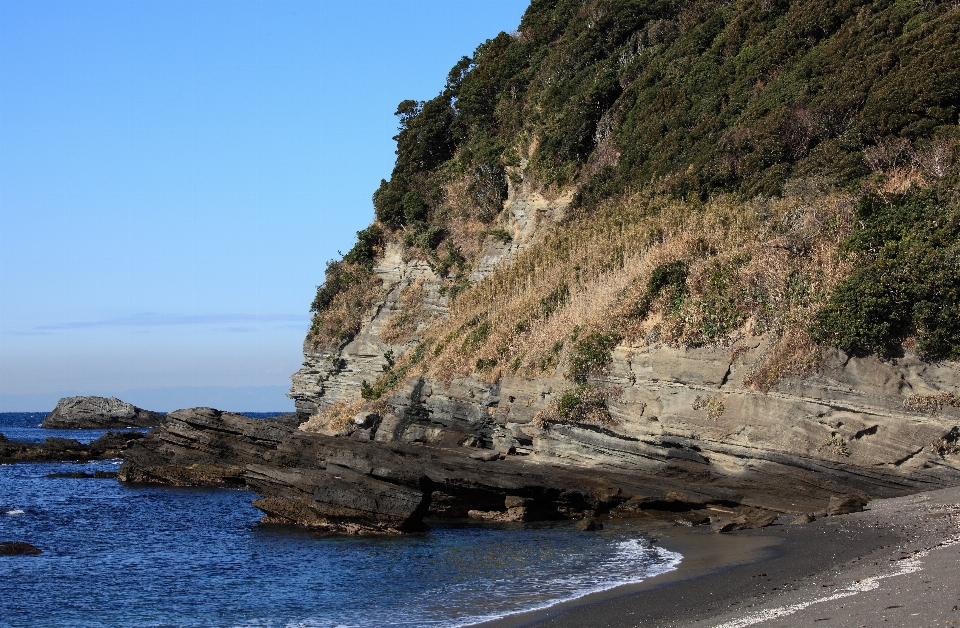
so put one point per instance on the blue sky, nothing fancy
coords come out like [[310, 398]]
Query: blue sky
[[175, 175]]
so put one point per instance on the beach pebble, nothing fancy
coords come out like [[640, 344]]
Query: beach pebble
[[485, 455]]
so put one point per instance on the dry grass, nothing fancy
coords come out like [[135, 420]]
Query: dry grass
[[753, 267], [341, 320], [835, 444], [713, 405], [333, 419], [756, 267], [931, 404], [901, 165], [944, 447], [464, 229]]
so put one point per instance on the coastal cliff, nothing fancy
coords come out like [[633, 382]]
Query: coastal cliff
[[636, 257]]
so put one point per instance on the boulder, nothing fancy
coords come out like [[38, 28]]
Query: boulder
[[744, 519], [845, 504], [588, 524], [74, 413]]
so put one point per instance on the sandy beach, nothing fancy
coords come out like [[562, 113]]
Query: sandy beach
[[897, 563]]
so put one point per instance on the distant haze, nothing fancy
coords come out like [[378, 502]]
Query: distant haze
[[175, 175], [249, 399]]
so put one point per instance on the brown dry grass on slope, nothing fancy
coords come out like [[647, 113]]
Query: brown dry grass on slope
[[752, 267], [333, 419], [402, 326], [342, 319]]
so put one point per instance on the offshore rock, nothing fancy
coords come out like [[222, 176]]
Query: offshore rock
[[18, 548], [74, 413]]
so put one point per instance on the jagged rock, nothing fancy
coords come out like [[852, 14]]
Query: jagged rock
[[802, 519], [692, 518], [845, 504], [588, 525], [485, 455], [74, 413], [18, 548]]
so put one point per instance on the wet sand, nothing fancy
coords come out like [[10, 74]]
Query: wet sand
[[897, 563]]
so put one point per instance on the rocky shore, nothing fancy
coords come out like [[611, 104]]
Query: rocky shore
[[110, 445], [352, 483]]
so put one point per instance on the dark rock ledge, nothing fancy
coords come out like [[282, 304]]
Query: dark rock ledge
[[110, 445], [352, 486]]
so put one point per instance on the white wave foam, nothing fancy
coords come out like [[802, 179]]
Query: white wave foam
[[632, 562], [15, 512]]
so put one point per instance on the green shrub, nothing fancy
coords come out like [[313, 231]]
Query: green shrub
[[592, 354], [501, 235], [672, 276], [906, 281]]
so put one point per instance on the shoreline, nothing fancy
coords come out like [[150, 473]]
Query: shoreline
[[836, 568], [703, 553]]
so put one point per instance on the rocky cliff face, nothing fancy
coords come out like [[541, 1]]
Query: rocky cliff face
[[326, 378], [854, 424]]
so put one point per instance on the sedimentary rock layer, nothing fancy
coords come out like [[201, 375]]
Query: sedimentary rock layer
[[349, 483]]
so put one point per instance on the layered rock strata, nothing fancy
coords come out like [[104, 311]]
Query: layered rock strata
[[354, 484], [855, 425], [74, 413], [327, 377]]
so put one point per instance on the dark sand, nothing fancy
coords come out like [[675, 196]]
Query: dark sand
[[896, 564]]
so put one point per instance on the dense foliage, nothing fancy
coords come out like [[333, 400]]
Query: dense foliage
[[906, 278], [693, 99]]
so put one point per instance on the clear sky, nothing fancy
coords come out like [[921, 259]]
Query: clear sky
[[175, 175]]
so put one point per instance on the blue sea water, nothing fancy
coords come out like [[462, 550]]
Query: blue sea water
[[121, 555]]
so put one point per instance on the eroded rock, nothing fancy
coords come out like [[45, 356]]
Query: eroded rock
[[74, 413], [110, 445], [845, 504]]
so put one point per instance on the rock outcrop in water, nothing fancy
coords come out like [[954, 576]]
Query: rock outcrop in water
[[18, 548], [110, 445], [74, 413]]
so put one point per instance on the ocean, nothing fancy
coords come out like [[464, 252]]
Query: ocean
[[122, 555]]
